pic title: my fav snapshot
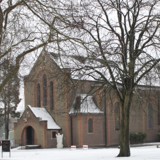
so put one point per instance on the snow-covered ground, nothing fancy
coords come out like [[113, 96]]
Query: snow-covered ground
[[137, 153]]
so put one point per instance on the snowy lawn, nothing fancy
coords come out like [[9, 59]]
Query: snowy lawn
[[137, 153]]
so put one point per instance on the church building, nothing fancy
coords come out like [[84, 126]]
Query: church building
[[79, 109]]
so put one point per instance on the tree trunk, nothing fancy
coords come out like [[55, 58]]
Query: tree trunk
[[1, 24], [6, 120], [124, 128], [6, 130]]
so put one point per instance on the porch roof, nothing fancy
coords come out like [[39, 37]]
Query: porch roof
[[44, 116]]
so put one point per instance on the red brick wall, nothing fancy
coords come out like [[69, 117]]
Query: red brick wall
[[80, 130]]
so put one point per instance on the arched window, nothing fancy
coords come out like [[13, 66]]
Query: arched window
[[90, 125], [38, 95], [51, 96], [117, 116], [44, 91], [150, 116]]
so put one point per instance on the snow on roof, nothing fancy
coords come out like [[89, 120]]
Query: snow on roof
[[87, 105], [45, 116]]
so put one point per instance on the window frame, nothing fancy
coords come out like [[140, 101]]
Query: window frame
[[53, 134], [117, 116], [159, 111], [38, 95], [150, 117], [44, 90], [51, 95], [90, 127]]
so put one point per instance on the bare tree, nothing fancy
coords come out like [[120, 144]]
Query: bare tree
[[21, 33], [115, 42]]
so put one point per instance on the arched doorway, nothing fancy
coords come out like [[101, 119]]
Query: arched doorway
[[29, 135]]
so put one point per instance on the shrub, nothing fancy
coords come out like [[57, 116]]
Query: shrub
[[137, 137]]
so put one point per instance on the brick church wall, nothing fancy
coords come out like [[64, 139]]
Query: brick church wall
[[63, 100]]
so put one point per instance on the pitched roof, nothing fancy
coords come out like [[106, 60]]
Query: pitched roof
[[87, 105], [44, 116]]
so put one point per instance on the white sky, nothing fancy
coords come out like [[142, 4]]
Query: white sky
[[138, 153]]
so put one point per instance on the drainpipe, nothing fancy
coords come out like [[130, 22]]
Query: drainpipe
[[71, 129], [105, 117]]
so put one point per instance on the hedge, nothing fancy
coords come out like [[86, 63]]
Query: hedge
[[138, 137]]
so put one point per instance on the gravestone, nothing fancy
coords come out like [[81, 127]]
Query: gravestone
[[6, 146]]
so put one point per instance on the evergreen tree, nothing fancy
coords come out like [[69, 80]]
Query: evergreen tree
[[9, 97]]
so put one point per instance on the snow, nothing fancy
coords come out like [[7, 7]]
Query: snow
[[87, 105], [44, 116], [137, 153]]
